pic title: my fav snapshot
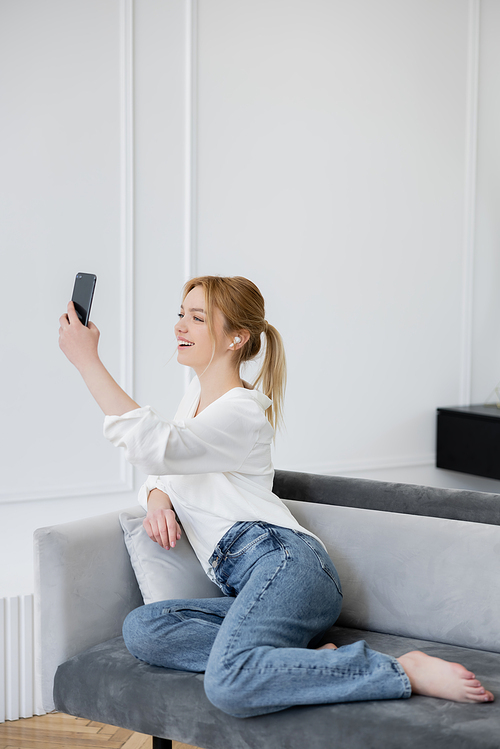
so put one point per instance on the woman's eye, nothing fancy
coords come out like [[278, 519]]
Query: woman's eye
[[180, 315]]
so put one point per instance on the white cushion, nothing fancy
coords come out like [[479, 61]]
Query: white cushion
[[164, 575]]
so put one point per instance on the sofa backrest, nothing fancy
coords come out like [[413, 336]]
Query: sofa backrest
[[425, 577], [410, 499]]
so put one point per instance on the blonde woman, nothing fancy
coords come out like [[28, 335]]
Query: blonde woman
[[210, 468]]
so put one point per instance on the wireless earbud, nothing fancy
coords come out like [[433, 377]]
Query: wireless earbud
[[237, 339]]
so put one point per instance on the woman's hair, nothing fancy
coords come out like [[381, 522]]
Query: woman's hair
[[242, 306]]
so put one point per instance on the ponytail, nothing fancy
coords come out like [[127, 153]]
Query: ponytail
[[272, 376], [242, 306]]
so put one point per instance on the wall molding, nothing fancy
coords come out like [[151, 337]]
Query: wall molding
[[190, 139], [471, 135], [127, 228], [371, 464], [125, 482], [190, 149], [67, 491]]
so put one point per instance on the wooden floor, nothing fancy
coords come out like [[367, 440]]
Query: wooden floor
[[56, 731]]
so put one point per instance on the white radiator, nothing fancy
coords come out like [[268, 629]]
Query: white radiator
[[17, 662]]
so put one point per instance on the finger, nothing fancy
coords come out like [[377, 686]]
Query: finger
[[163, 532], [159, 531], [73, 317], [151, 531], [172, 528], [147, 527], [64, 320]]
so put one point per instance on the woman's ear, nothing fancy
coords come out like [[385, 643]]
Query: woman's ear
[[239, 339]]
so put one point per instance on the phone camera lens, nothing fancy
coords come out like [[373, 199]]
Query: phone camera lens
[[79, 275]]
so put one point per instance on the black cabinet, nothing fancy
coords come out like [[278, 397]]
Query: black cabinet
[[468, 440]]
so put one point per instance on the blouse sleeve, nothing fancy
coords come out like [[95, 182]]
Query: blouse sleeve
[[217, 440], [152, 482]]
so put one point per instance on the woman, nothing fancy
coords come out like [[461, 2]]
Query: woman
[[211, 468]]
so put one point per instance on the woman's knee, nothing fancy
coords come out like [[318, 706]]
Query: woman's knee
[[135, 632], [222, 695], [224, 692]]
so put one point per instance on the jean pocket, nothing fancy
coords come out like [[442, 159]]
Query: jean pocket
[[239, 551], [254, 534], [323, 558]]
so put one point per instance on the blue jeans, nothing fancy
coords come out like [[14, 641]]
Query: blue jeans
[[256, 644]]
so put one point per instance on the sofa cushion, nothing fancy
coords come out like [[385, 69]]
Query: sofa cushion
[[410, 575], [109, 685]]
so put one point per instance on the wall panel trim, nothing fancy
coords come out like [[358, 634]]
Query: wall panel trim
[[471, 134], [347, 466], [127, 216], [190, 161], [191, 143]]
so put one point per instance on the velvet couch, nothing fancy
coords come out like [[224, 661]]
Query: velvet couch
[[420, 569]]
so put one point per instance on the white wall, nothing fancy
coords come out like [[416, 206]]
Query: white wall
[[331, 170], [321, 148], [89, 185]]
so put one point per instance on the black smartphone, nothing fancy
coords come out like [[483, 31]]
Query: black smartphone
[[83, 293]]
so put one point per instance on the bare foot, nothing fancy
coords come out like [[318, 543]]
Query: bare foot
[[434, 677], [328, 646]]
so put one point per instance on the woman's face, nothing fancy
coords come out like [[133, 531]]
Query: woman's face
[[194, 345]]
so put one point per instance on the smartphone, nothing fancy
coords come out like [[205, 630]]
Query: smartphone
[[83, 293]]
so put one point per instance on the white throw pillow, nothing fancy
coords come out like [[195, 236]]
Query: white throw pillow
[[164, 575]]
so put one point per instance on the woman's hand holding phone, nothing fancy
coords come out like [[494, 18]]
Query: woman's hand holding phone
[[78, 342], [161, 523]]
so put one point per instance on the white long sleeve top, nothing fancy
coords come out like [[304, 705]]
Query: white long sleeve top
[[215, 467]]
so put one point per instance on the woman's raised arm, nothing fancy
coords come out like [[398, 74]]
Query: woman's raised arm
[[80, 344]]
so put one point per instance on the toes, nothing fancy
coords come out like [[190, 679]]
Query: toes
[[476, 691], [479, 695]]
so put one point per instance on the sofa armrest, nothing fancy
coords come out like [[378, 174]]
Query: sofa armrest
[[84, 588]]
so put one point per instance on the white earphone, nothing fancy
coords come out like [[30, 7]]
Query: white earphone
[[237, 339]]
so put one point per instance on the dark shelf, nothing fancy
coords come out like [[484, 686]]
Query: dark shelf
[[468, 440]]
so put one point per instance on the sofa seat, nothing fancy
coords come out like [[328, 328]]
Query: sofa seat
[[107, 684]]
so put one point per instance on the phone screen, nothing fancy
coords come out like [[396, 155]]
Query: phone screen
[[83, 293]]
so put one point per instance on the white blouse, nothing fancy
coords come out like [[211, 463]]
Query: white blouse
[[216, 468]]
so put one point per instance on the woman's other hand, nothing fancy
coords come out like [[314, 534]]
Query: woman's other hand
[[160, 523], [78, 342]]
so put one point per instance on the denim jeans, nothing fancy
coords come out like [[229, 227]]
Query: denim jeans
[[256, 645]]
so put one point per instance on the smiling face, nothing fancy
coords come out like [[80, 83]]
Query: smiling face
[[195, 347]]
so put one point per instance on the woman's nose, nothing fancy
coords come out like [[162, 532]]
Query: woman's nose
[[179, 327]]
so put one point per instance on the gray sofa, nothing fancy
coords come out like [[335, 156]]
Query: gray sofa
[[420, 569]]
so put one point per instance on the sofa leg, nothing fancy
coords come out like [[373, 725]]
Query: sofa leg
[[161, 743]]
